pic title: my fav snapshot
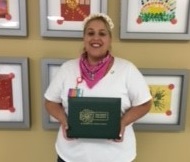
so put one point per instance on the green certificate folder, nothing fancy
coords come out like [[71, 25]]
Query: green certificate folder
[[94, 117]]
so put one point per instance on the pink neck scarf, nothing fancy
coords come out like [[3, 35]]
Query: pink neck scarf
[[93, 73]]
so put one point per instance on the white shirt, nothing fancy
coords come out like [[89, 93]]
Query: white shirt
[[123, 80]]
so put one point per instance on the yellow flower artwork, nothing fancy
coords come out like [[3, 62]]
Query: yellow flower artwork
[[162, 95], [157, 11]]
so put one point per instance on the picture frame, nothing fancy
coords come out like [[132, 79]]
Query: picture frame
[[171, 118], [14, 93], [54, 19], [169, 88], [138, 21], [13, 18], [49, 67]]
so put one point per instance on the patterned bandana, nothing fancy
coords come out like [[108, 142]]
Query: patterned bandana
[[93, 73]]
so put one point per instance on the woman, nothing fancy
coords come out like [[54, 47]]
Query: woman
[[99, 74]]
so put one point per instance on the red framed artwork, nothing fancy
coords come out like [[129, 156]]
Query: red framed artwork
[[64, 18], [13, 18], [14, 93]]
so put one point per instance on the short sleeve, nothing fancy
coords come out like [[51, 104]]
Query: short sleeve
[[138, 89], [53, 92]]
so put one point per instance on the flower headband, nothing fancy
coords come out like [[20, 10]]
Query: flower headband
[[104, 16]]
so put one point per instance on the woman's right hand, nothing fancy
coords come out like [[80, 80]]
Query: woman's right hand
[[58, 112], [64, 126]]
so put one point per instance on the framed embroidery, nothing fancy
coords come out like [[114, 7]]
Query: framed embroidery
[[155, 19], [169, 91], [64, 18], [13, 18], [14, 93]]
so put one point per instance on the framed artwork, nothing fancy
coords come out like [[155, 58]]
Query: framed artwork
[[48, 69], [14, 93], [169, 89], [64, 18], [13, 18], [155, 19]]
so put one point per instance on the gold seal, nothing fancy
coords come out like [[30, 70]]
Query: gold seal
[[87, 116], [72, 4]]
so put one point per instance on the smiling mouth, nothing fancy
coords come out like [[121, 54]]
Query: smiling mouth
[[96, 45]]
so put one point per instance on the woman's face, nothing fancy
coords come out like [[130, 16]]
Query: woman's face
[[97, 40]]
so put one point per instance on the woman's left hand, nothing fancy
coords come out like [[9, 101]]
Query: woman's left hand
[[121, 133]]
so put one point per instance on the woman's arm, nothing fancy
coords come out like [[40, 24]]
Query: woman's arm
[[132, 114], [57, 111]]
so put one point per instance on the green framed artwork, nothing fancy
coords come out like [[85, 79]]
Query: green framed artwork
[[155, 19]]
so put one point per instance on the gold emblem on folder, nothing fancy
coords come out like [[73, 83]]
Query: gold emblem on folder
[[88, 116]]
